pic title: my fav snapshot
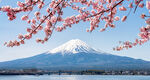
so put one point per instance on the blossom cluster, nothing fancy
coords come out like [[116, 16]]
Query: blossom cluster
[[144, 36], [92, 11], [144, 31]]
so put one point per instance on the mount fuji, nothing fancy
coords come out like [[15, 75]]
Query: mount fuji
[[76, 55]]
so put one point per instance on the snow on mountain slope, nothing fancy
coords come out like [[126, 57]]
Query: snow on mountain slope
[[78, 56], [73, 46]]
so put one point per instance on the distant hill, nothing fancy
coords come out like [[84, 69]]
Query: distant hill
[[76, 55]]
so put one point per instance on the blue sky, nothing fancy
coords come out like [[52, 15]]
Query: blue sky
[[104, 41]]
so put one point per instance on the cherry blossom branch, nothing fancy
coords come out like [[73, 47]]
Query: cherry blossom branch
[[44, 19], [100, 11], [144, 32], [137, 4], [56, 20], [28, 36]]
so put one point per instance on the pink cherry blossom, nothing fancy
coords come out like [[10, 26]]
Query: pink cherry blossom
[[143, 16], [29, 30], [22, 42], [103, 29], [141, 5], [147, 21], [20, 4], [131, 5], [94, 12], [117, 18], [46, 39], [124, 18], [122, 8], [38, 40], [148, 4], [33, 21], [25, 17], [37, 13], [40, 27], [28, 36], [20, 36]]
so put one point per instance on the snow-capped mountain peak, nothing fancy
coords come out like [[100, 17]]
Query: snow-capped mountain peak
[[73, 46]]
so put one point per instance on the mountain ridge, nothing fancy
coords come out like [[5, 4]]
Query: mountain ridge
[[73, 46], [78, 58]]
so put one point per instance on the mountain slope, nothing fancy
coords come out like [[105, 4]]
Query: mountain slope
[[73, 46], [78, 56]]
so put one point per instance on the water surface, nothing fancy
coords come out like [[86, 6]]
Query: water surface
[[74, 77]]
